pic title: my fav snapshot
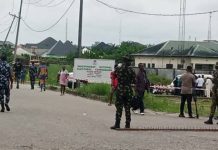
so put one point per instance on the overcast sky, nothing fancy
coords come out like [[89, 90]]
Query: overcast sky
[[104, 24]]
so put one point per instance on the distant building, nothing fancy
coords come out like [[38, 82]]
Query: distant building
[[85, 50], [180, 54], [51, 48], [7, 43]]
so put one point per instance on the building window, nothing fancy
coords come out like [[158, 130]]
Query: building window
[[149, 65], [169, 66], [144, 64], [153, 65], [204, 67], [180, 66]]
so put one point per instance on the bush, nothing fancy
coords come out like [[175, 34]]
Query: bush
[[155, 79], [95, 88]]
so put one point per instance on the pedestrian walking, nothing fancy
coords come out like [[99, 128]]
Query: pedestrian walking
[[43, 75], [32, 74], [63, 79], [140, 87], [5, 78], [126, 77], [17, 70], [187, 82], [214, 96], [114, 84], [23, 75]]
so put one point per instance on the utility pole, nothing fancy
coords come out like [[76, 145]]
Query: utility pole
[[209, 27], [80, 29], [66, 29], [9, 30], [18, 28]]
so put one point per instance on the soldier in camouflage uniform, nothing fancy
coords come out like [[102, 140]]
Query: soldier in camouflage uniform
[[126, 77], [9, 81], [3, 83], [214, 97]]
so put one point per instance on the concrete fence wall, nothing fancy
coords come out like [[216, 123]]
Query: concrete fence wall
[[170, 73]]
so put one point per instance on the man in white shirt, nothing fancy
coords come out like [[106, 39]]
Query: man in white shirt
[[199, 85]]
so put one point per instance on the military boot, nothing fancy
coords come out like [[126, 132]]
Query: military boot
[[3, 107], [7, 107], [116, 126], [209, 121], [127, 125]]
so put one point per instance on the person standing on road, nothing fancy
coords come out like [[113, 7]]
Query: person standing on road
[[187, 80], [126, 77], [214, 97], [114, 84], [17, 69], [32, 74], [63, 79], [140, 87], [43, 75]]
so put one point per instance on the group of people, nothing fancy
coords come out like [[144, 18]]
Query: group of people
[[188, 85], [40, 72], [123, 80], [202, 85]]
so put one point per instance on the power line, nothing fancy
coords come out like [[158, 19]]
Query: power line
[[48, 4], [45, 5], [34, 2], [35, 30], [5, 30], [153, 14], [57, 4]]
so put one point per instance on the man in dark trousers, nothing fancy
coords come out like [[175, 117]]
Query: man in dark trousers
[[9, 84], [32, 74], [126, 77], [187, 80], [17, 69], [140, 87], [214, 97], [3, 83]]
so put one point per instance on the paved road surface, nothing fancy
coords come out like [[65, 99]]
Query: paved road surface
[[48, 121]]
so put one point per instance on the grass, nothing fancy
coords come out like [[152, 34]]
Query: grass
[[95, 88], [158, 103], [53, 71], [153, 102]]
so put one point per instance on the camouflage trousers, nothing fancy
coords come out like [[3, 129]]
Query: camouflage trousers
[[123, 101], [2, 93], [213, 104]]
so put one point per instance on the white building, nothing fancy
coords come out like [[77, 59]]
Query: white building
[[180, 54]]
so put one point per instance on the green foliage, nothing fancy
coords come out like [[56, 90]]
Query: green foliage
[[161, 104], [53, 71], [114, 51], [95, 88], [155, 79], [8, 52], [70, 58]]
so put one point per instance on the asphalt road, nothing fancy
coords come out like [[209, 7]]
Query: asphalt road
[[48, 121]]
